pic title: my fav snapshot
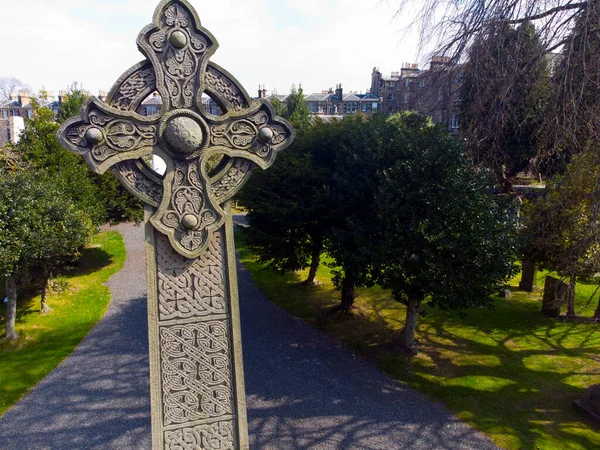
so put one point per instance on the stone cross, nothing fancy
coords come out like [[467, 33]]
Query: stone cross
[[196, 373]]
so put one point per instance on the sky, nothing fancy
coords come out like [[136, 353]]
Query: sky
[[276, 43]]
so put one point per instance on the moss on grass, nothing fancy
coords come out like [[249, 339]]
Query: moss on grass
[[46, 340], [512, 373]]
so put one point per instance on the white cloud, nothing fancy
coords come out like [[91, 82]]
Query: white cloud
[[273, 42]]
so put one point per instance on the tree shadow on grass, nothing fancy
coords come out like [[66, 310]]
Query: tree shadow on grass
[[511, 372], [521, 376], [93, 260]]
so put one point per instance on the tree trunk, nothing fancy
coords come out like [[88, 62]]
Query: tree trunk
[[571, 298], [347, 293], [11, 309], [45, 308], [597, 312], [317, 249], [407, 336]]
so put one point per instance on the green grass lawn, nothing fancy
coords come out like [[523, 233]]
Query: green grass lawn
[[46, 340], [512, 373]]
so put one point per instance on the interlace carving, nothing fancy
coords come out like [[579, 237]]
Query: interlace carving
[[179, 50], [132, 89], [214, 436], [190, 288], [227, 88], [192, 307], [186, 216], [196, 371], [234, 177], [133, 177]]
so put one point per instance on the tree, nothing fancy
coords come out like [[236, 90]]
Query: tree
[[40, 147], [504, 95], [39, 228], [8, 86], [288, 209], [103, 198], [355, 164], [452, 26], [443, 237], [296, 110], [561, 230], [572, 124], [72, 102], [277, 105]]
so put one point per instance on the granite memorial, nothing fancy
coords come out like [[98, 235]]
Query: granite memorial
[[196, 373]]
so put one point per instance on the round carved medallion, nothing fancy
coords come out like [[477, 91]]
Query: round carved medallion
[[265, 135], [189, 222], [184, 135], [93, 136], [178, 39]]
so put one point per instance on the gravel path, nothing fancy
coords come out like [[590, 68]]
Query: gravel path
[[304, 391]]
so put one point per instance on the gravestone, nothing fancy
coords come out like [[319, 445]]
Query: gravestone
[[556, 293], [196, 373], [590, 402], [528, 276]]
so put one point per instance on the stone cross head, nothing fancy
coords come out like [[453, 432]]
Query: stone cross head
[[189, 198]]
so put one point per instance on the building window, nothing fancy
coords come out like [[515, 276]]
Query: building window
[[391, 85], [459, 77], [406, 83], [4, 113], [14, 112], [406, 99], [456, 96], [29, 113], [364, 107], [151, 110], [374, 107], [391, 97], [422, 83], [454, 124], [313, 107]]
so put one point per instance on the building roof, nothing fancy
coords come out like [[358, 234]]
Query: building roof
[[154, 100], [351, 98]]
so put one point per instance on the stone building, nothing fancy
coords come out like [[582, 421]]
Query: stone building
[[334, 103], [434, 92], [18, 108]]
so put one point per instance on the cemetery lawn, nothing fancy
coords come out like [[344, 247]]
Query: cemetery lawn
[[511, 373], [46, 340]]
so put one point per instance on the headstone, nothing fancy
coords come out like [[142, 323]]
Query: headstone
[[590, 402], [528, 276], [556, 293], [196, 373]]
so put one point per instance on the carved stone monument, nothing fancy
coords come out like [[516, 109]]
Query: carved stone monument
[[197, 384]]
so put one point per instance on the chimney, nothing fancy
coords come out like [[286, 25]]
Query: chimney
[[24, 98], [339, 92], [260, 91], [264, 91], [61, 96]]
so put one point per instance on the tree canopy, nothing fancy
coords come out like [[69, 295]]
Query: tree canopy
[[444, 236], [504, 96]]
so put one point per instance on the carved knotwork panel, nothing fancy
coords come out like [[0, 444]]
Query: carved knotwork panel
[[190, 288], [219, 84], [196, 371], [214, 436], [179, 50]]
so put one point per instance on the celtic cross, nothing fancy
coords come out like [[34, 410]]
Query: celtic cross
[[196, 374]]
